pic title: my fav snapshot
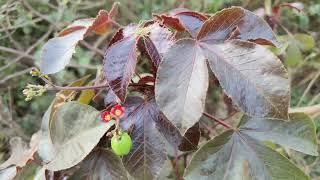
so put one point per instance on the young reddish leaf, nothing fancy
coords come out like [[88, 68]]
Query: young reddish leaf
[[182, 83], [169, 21], [183, 19], [57, 52], [252, 76], [102, 23], [119, 64], [221, 25]]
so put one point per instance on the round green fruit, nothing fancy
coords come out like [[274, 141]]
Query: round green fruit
[[121, 144]]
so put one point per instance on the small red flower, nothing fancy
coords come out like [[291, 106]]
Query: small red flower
[[117, 111], [106, 116]]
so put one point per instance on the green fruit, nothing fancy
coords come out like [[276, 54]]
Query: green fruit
[[121, 144]]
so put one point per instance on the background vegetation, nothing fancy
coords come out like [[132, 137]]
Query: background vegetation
[[25, 25]]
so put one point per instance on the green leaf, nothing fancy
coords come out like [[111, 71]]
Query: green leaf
[[293, 55], [298, 134], [86, 96], [75, 130], [46, 149], [305, 41], [234, 155]]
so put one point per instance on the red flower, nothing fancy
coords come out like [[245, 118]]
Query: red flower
[[117, 111], [106, 116]]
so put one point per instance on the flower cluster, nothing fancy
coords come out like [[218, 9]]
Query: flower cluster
[[32, 90], [116, 112]]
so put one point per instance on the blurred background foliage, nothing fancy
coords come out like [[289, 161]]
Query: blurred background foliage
[[25, 25]]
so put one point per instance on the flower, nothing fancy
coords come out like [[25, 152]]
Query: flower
[[117, 111], [106, 116]]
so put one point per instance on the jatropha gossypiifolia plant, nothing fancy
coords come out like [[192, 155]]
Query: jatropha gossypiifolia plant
[[151, 118]]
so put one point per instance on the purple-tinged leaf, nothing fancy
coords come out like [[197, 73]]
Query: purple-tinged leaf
[[183, 19], [252, 76], [250, 26], [119, 65], [182, 83], [192, 21], [148, 152], [190, 139], [102, 163]]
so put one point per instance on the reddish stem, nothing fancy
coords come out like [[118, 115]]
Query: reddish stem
[[218, 120]]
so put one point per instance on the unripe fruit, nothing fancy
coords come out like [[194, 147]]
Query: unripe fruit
[[121, 144]]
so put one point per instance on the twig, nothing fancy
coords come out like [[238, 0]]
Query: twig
[[80, 88], [306, 91], [15, 75], [217, 120], [92, 48], [39, 41], [44, 17]]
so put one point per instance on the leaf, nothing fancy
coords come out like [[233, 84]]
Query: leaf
[[148, 152], [249, 26], [183, 20], [21, 154], [298, 134], [192, 21], [102, 164], [190, 139], [86, 96], [46, 149], [57, 52], [157, 43], [305, 41], [181, 84], [75, 130], [252, 76], [119, 64], [8, 173], [292, 56], [233, 155]]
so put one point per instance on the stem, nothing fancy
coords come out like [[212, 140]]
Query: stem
[[79, 88], [218, 120]]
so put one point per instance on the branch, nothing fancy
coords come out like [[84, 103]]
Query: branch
[[217, 120]]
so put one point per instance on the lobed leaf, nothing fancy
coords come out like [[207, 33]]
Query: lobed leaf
[[252, 76], [75, 130], [233, 155], [240, 153]]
